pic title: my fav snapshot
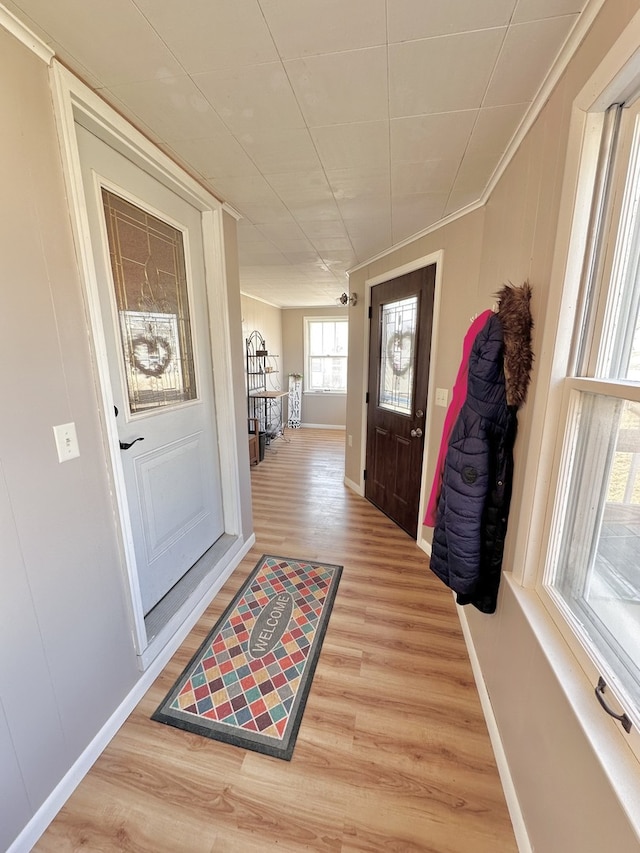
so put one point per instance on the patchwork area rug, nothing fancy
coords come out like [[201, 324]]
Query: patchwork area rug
[[248, 682]]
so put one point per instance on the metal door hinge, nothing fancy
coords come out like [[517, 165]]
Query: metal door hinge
[[370, 311], [366, 397], [364, 474]]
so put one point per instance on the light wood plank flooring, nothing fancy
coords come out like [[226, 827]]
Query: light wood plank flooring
[[393, 752]]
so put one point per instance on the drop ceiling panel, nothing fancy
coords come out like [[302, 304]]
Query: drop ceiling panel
[[527, 53], [432, 75], [252, 98], [357, 183], [335, 128], [344, 146], [281, 149], [425, 208], [112, 39], [174, 107], [229, 33], [430, 137], [534, 10], [415, 19], [427, 176], [495, 127], [344, 87], [220, 155], [305, 27]]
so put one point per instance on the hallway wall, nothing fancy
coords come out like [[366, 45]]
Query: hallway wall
[[67, 657], [566, 799]]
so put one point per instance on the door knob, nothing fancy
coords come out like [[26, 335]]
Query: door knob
[[419, 413], [416, 433], [125, 445]]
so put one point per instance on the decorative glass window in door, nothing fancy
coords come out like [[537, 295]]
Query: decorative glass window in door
[[397, 355], [150, 281]]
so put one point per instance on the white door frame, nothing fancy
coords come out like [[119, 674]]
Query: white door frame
[[436, 258], [75, 102]]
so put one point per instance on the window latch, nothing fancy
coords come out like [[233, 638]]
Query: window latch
[[622, 718]]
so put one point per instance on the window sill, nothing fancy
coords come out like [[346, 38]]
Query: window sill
[[617, 760]]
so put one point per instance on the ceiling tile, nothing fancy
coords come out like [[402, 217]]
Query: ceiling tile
[[474, 173], [413, 213], [460, 199], [344, 146], [252, 98], [280, 233], [365, 206], [248, 233], [534, 10], [263, 213], [205, 36], [528, 52], [247, 188], [431, 137], [444, 62], [314, 211], [277, 150], [357, 183], [338, 88], [306, 27], [172, 106], [323, 228], [220, 155], [294, 187], [415, 19], [114, 40], [428, 176], [495, 128]]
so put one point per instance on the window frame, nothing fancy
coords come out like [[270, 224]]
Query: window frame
[[307, 389], [564, 388]]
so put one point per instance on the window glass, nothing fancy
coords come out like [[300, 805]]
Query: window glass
[[593, 573], [327, 347], [397, 355]]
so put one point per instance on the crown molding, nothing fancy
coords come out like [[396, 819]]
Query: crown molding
[[13, 25]]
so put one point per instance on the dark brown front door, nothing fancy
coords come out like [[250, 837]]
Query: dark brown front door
[[401, 320]]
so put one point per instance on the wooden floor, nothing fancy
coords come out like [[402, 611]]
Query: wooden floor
[[393, 752]]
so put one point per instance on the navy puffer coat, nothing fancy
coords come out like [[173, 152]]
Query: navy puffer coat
[[473, 507]]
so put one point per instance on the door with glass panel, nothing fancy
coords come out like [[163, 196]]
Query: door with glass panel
[[399, 352], [148, 250]]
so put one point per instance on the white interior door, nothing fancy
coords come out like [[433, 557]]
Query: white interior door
[[147, 245]]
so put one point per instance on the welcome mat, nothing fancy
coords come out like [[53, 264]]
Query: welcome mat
[[248, 682]]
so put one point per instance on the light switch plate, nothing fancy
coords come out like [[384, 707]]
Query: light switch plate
[[442, 396], [66, 442]]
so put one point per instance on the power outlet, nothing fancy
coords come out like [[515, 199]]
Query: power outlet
[[350, 441], [66, 442], [442, 396]]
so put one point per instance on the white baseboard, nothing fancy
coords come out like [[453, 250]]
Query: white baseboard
[[511, 797], [70, 781], [358, 488], [323, 426], [425, 545]]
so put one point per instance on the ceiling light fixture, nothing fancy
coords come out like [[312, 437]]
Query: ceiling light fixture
[[345, 299]]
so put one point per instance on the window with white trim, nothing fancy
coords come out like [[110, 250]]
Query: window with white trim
[[326, 348], [592, 574]]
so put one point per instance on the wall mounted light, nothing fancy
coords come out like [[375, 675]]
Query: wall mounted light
[[347, 299]]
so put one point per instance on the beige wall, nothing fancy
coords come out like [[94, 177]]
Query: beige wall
[[564, 794], [67, 658], [325, 410], [267, 319]]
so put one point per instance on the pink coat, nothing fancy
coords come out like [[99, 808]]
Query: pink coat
[[457, 399]]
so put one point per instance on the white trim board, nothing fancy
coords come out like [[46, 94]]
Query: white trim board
[[513, 804], [323, 426], [67, 785], [20, 31]]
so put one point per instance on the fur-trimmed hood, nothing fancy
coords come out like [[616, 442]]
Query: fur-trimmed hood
[[514, 313]]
